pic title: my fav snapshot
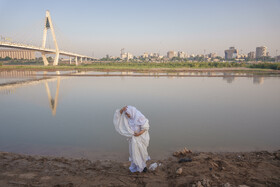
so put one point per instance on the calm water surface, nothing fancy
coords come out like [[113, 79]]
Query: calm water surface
[[72, 116]]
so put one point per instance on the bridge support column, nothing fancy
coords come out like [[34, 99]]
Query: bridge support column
[[70, 60], [81, 59], [45, 60], [55, 62], [76, 59]]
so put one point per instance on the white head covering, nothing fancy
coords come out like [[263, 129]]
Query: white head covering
[[136, 117]]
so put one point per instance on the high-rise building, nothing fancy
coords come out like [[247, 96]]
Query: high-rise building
[[231, 53], [261, 51], [251, 55], [17, 54], [170, 54]]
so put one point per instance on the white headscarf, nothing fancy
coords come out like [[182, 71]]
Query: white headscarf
[[136, 117]]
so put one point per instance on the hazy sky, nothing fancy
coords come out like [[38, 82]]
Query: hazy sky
[[104, 27]]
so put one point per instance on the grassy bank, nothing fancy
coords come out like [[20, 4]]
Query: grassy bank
[[169, 66]]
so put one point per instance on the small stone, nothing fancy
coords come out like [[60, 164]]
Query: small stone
[[27, 175], [215, 176], [205, 182], [243, 186], [199, 184], [46, 178], [64, 184], [18, 183], [214, 164], [182, 152], [8, 174], [227, 185], [179, 171]]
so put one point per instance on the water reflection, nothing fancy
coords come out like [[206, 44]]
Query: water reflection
[[228, 77], [14, 73], [53, 101], [10, 87], [14, 76], [258, 80]]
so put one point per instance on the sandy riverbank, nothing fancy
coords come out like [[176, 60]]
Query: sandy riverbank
[[206, 169]]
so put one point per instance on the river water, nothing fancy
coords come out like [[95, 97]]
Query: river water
[[72, 115]]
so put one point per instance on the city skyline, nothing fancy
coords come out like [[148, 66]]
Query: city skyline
[[195, 27]]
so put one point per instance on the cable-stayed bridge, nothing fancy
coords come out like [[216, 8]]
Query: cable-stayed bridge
[[43, 50]]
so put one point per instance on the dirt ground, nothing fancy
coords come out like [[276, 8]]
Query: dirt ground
[[205, 169]]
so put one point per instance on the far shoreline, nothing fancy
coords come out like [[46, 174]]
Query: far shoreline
[[137, 70]]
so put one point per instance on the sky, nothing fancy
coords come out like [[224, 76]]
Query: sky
[[97, 28]]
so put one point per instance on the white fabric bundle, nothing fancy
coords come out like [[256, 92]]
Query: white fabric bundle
[[137, 144], [121, 124]]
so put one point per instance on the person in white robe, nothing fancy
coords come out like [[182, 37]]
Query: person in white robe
[[131, 123]]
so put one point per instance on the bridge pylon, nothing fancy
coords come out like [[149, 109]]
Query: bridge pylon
[[48, 25]]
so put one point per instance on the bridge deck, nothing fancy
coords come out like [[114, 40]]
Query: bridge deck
[[40, 49]]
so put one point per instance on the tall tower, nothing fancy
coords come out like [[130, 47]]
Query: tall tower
[[261, 51], [48, 25]]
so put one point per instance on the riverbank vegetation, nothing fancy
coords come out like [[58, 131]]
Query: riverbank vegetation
[[140, 66]]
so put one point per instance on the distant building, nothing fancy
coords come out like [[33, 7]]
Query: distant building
[[231, 53], [251, 55], [129, 56], [145, 55], [277, 58], [17, 54], [216, 60], [261, 51], [114, 57], [181, 54], [154, 55], [242, 56], [170, 54], [212, 55], [126, 56]]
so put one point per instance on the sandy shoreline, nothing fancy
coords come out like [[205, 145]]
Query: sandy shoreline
[[260, 168]]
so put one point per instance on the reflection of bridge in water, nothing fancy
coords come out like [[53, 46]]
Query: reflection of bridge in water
[[53, 102], [11, 87]]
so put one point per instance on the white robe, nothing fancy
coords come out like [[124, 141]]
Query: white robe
[[137, 144]]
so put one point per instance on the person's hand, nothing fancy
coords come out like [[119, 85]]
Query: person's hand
[[136, 134], [123, 109], [139, 133]]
